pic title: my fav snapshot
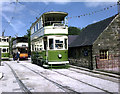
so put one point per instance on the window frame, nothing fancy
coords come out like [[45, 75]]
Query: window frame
[[103, 55], [59, 44]]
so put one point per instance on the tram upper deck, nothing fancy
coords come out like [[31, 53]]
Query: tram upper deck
[[20, 42], [50, 23]]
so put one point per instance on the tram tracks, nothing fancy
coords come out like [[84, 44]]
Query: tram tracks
[[83, 82], [65, 88], [21, 84], [60, 86]]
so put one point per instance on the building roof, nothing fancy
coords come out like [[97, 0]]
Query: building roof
[[91, 33], [71, 38]]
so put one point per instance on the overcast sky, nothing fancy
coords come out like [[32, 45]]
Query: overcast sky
[[16, 18]]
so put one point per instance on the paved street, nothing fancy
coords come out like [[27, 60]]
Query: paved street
[[27, 77]]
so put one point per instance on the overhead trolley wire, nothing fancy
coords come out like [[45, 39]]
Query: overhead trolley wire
[[93, 12], [37, 13], [9, 22]]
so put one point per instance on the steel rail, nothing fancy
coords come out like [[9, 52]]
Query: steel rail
[[83, 82], [57, 84], [21, 84]]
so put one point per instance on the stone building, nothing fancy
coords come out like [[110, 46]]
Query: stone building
[[98, 45]]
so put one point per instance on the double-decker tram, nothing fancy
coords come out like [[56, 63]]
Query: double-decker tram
[[20, 44], [49, 40]]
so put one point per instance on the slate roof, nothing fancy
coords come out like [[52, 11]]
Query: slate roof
[[91, 33], [71, 38]]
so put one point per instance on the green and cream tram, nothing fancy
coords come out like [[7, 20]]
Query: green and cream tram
[[49, 39], [4, 45]]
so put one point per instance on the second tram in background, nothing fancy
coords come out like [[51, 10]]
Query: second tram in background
[[49, 39], [20, 44]]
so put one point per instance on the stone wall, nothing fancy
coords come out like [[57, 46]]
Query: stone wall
[[108, 40], [81, 56]]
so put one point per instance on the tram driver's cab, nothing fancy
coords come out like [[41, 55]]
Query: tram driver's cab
[[57, 43]]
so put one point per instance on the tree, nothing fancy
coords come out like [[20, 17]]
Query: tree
[[28, 34], [73, 30]]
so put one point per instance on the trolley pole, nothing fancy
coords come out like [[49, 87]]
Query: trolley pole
[[0, 56], [118, 3]]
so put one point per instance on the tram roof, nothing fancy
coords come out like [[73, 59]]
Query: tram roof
[[51, 13], [24, 38], [5, 36]]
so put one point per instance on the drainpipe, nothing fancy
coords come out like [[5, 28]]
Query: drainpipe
[[91, 61]]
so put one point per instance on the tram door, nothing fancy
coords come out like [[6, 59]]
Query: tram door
[[45, 48], [45, 43]]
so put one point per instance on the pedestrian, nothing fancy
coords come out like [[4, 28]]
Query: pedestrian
[[18, 56]]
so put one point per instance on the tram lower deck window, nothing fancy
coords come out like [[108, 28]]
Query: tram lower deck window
[[4, 50], [51, 43]]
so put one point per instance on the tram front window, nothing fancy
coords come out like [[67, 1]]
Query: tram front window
[[23, 50], [58, 44]]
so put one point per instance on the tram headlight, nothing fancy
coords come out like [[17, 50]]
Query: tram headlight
[[59, 56]]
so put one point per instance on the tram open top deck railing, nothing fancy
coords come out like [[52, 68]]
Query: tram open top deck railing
[[54, 23]]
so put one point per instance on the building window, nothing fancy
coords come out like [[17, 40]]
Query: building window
[[103, 54], [85, 52]]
